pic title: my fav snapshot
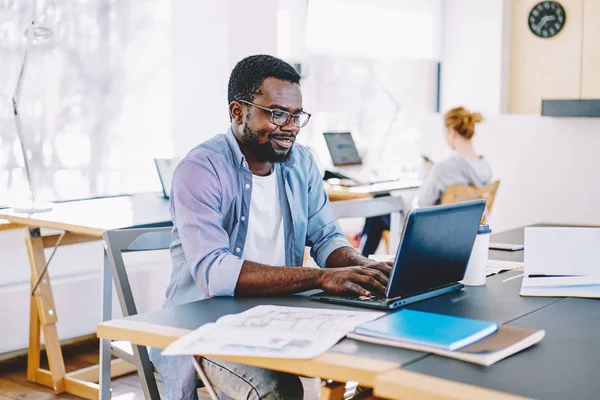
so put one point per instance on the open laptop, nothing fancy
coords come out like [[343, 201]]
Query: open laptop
[[165, 168], [432, 257], [347, 161]]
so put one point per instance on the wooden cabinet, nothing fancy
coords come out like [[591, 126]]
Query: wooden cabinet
[[566, 66], [590, 68]]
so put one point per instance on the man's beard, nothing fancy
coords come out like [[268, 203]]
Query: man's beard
[[264, 151]]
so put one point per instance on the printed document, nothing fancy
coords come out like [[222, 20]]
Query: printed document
[[272, 331]]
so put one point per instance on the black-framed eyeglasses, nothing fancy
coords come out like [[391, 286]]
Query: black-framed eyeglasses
[[281, 117]]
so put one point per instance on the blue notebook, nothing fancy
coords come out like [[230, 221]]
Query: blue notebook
[[428, 329]]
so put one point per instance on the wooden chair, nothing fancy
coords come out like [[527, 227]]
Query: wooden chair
[[462, 193]]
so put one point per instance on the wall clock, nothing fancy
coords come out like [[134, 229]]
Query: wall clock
[[546, 19]]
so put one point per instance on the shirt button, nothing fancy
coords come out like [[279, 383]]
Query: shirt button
[[244, 164], [237, 249], [247, 186], [243, 218]]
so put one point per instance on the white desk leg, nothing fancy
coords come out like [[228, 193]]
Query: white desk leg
[[105, 350], [396, 226]]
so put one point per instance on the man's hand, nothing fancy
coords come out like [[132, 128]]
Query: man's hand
[[355, 280], [384, 267]]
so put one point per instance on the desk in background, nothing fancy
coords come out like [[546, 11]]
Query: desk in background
[[80, 221], [337, 192]]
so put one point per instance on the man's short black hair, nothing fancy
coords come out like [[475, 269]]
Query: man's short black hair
[[249, 74]]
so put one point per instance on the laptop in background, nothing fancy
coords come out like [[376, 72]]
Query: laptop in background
[[432, 257], [347, 161], [165, 168]]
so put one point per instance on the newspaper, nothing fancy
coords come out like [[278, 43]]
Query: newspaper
[[272, 331]]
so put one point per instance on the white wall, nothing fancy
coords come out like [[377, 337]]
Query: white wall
[[548, 167], [200, 64], [474, 50]]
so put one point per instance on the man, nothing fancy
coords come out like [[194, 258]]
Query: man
[[244, 206]]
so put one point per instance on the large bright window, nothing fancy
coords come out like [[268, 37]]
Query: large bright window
[[369, 67], [95, 105]]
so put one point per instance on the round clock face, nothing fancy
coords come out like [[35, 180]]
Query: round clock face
[[546, 19]]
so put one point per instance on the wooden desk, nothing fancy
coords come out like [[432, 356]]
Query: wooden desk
[[564, 365], [6, 225], [337, 193], [561, 366], [80, 221], [349, 360]]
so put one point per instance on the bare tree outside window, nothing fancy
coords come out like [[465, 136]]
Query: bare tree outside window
[[95, 104]]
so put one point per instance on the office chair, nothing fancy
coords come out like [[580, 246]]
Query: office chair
[[116, 243], [462, 193], [373, 207]]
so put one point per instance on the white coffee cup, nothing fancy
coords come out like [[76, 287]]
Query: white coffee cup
[[476, 268]]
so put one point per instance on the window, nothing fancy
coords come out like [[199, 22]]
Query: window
[[371, 68], [95, 104]]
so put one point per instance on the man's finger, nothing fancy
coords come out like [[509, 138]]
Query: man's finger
[[369, 281], [352, 287], [377, 275], [380, 266]]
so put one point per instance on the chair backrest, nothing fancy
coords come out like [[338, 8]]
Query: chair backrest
[[462, 193], [117, 242]]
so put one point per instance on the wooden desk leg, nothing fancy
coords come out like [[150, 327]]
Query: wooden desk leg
[[43, 316], [46, 316], [333, 391], [33, 352]]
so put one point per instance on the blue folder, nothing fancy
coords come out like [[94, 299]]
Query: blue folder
[[428, 329]]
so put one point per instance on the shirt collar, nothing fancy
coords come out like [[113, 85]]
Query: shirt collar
[[238, 156]]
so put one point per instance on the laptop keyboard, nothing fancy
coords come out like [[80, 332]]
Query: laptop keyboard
[[372, 299]]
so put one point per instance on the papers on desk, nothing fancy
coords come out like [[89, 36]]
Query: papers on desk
[[272, 331], [496, 266], [562, 262]]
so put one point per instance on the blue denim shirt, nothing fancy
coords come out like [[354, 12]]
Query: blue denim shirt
[[210, 203]]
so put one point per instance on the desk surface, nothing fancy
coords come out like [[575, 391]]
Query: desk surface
[[93, 217], [376, 189], [564, 365], [349, 359]]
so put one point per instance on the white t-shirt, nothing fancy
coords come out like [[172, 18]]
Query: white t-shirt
[[265, 243]]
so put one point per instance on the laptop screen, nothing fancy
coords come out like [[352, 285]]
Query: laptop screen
[[165, 168], [342, 148]]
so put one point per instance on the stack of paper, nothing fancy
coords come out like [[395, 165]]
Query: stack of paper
[[561, 262]]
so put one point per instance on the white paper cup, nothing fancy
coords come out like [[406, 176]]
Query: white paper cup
[[476, 269]]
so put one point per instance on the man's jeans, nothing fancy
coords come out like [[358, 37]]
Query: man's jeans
[[238, 381]]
